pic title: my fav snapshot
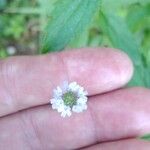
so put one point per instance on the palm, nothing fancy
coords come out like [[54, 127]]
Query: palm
[[28, 122]]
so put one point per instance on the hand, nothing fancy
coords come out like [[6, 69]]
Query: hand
[[27, 120]]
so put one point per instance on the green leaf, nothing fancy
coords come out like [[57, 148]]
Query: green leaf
[[2, 4], [120, 36], [146, 137], [136, 17], [115, 4], [69, 18], [3, 53], [147, 77], [80, 41]]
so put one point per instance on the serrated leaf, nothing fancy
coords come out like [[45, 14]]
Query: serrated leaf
[[69, 18]]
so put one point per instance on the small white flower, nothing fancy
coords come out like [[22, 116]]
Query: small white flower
[[70, 98]]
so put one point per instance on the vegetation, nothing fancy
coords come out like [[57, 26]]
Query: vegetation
[[41, 26]]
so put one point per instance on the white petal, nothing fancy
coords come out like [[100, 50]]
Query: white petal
[[60, 108], [52, 101], [77, 108], [69, 113], [81, 92], [65, 86], [85, 93], [63, 114], [73, 86], [82, 100], [81, 89], [54, 106], [58, 101], [84, 107], [66, 111], [57, 92]]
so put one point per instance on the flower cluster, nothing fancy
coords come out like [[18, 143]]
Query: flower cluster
[[70, 98]]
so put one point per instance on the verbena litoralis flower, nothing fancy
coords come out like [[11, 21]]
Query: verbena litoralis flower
[[70, 98]]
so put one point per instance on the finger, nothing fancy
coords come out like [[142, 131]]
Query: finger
[[28, 81], [117, 115], [130, 144]]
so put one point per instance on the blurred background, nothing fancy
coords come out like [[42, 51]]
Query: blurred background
[[27, 25]]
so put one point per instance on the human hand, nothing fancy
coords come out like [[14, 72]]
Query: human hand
[[28, 122]]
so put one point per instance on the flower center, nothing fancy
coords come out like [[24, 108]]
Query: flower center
[[69, 99]]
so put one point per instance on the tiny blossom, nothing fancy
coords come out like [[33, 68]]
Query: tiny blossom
[[69, 98]]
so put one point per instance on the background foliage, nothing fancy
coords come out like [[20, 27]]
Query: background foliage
[[41, 26]]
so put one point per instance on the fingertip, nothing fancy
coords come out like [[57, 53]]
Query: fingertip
[[98, 69], [125, 66]]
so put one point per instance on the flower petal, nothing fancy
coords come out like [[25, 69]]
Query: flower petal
[[77, 108], [81, 101], [65, 86], [74, 86]]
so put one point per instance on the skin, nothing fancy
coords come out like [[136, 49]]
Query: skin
[[115, 117]]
